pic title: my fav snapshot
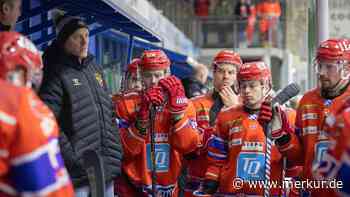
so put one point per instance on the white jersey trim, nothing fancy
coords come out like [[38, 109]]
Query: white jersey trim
[[53, 144], [8, 119], [181, 126], [134, 135]]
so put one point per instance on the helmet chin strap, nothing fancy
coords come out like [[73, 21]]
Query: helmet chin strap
[[167, 72], [267, 91], [345, 73], [340, 87]]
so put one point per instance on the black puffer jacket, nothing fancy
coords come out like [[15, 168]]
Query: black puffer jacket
[[77, 95]]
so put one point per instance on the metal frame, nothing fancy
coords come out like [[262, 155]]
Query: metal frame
[[102, 13]]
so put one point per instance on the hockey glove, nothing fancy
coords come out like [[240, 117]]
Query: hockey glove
[[178, 101], [280, 125], [265, 115], [152, 96]]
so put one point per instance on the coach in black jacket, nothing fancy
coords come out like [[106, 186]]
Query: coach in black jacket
[[73, 87]]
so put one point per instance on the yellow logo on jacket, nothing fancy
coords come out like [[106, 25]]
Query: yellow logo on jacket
[[99, 79]]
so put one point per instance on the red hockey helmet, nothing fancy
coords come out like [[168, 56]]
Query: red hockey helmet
[[154, 60], [334, 49], [228, 57], [332, 56], [19, 53], [254, 71]]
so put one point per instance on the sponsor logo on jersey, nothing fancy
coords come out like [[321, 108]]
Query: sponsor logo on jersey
[[251, 166], [233, 123], [181, 100], [161, 137], [320, 151], [235, 142], [235, 129], [253, 146], [161, 157], [323, 135], [310, 130], [203, 118], [310, 116], [309, 106]]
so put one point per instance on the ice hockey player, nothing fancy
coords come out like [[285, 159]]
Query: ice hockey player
[[335, 165], [241, 148], [161, 112], [131, 81], [30, 159], [225, 65], [307, 146]]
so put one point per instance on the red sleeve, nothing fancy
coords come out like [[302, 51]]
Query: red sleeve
[[33, 149], [131, 140], [217, 151], [185, 136]]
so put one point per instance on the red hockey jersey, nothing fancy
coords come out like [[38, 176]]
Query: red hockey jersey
[[30, 159], [172, 141], [335, 164], [310, 142], [239, 150], [197, 167]]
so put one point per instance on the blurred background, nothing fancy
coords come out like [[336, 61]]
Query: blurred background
[[283, 33]]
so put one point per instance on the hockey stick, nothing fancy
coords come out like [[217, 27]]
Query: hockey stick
[[284, 169], [153, 144], [94, 168], [215, 109], [267, 129], [287, 93]]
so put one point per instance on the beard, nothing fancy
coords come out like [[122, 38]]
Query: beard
[[326, 85]]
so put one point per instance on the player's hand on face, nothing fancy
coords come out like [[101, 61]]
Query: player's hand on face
[[228, 96]]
